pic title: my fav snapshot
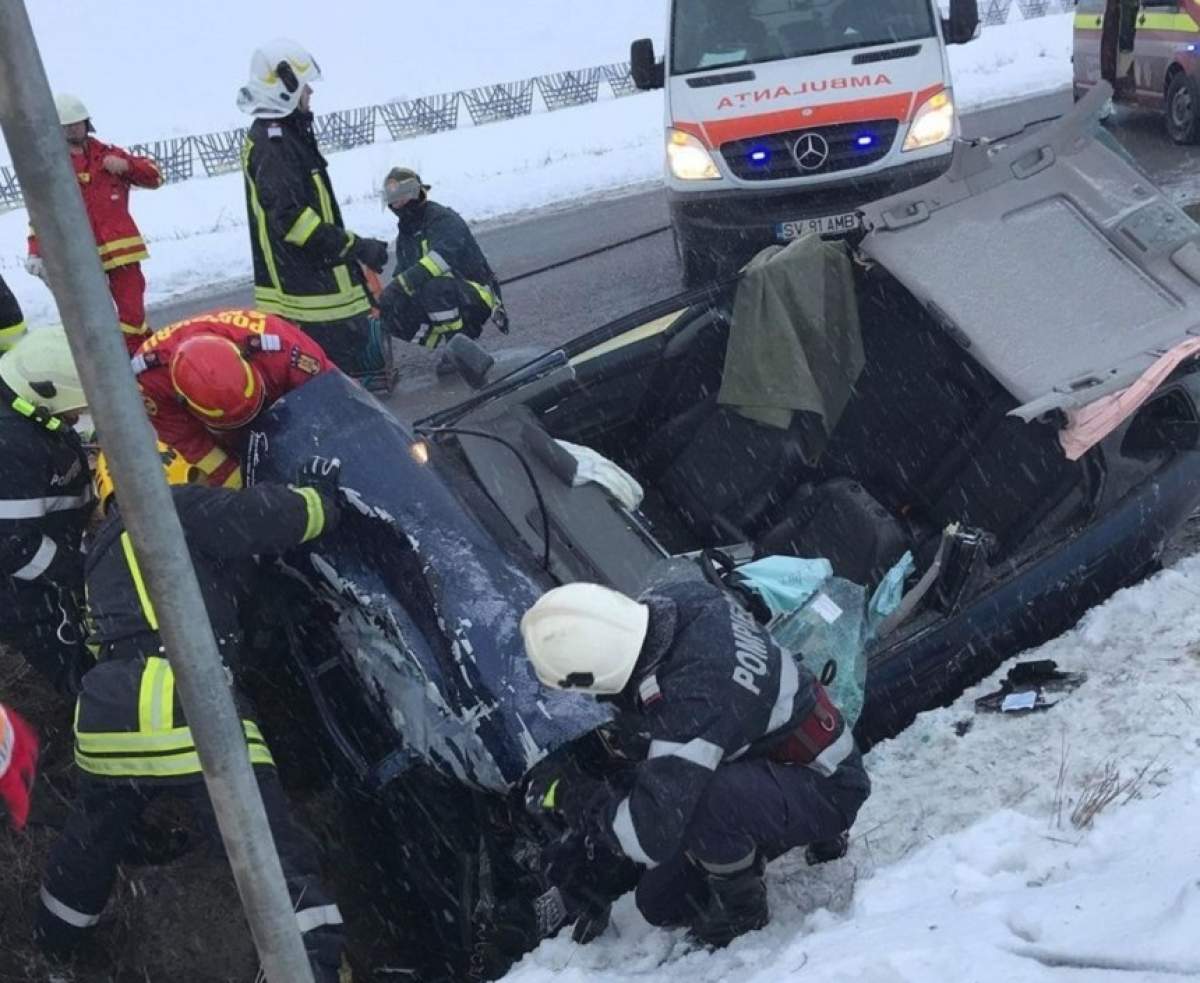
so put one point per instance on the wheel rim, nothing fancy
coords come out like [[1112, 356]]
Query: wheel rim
[[1182, 110]]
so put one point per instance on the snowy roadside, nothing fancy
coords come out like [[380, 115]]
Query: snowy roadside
[[966, 864], [197, 229]]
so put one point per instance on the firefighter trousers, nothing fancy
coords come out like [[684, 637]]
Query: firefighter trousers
[[127, 284], [83, 863], [440, 309], [751, 807]]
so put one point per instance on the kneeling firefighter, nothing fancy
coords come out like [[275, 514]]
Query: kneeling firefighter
[[443, 283], [132, 743], [747, 759]]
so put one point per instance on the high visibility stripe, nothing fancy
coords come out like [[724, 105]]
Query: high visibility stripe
[[438, 331], [65, 913], [10, 335], [7, 739], [826, 763], [341, 274], [311, 918], [35, 508], [212, 460], [327, 307], [433, 262], [126, 742], [1182, 23], [260, 218], [108, 248], [138, 583], [142, 328], [303, 228], [485, 294], [316, 512], [159, 766], [234, 480], [627, 835], [40, 561], [125, 260], [698, 751], [785, 702]]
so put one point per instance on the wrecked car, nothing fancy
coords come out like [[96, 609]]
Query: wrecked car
[[999, 377]]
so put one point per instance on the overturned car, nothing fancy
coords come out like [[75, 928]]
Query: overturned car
[[999, 379]]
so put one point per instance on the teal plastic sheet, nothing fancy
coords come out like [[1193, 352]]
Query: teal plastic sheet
[[826, 622]]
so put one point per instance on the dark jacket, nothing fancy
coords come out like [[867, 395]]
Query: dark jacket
[[225, 530], [45, 500], [710, 687], [302, 265], [433, 228]]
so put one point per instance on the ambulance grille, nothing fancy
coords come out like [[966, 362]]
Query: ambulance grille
[[774, 157]]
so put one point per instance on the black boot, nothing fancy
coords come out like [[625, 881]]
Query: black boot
[[737, 903]]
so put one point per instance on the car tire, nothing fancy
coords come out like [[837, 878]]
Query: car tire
[[697, 262], [1183, 109]]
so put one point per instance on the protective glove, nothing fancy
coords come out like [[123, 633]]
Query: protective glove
[[565, 793], [18, 765], [500, 319], [372, 253], [35, 267], [585, 876], [322, 473]]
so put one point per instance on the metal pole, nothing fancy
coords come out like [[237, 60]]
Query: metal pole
[[56, 210]]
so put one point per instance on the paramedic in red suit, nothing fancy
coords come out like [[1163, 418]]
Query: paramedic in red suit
[[205, 379], [106, 173]]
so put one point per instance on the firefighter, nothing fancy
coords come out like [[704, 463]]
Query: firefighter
[[747, 757], [12, 321], [18, 765], [106, 173], [45, 502], [306, 264], [132, 742], [204, 379], [443, 283]]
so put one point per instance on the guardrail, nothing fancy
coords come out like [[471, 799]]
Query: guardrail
[[212, 154]]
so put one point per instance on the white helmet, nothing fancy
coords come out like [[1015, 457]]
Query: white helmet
[[70, 109], [40, 370], [279, 71], [585, 637]]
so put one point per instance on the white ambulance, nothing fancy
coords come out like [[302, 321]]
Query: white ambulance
[[784, 116]]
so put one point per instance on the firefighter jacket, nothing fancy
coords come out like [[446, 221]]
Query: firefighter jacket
[[710, 687], [45, 500], [128, 722], [303, 269], [438, 238], [283, 354], [12, 321], [106, 197]]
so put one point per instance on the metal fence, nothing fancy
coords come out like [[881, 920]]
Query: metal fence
[[221, 152]]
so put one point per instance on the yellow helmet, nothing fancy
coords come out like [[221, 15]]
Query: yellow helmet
[[177, 470]]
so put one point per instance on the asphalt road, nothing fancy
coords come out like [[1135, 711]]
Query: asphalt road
[[548, 306]]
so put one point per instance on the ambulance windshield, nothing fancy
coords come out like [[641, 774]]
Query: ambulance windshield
[[712, 34]]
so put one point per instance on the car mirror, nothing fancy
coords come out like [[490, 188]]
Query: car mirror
[[963, 23], [648, 72], [466, 357]]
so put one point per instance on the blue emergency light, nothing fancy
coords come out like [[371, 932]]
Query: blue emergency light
[[865, 140], [759, 156]]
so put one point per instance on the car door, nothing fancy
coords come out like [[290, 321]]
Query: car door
[[1050, 258], [1089, 29], [1159, 32]]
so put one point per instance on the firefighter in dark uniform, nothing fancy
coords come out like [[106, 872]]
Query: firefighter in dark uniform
[[306, 264], [747, 756], [443, 283], [45, 502], [132, 743], [12, 321]]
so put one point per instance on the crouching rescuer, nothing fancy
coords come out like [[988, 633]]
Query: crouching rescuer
[[747, 757], [132, 742], [443, 283]]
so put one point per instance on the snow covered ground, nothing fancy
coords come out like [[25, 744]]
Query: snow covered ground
[[966, 865], [197, 230]]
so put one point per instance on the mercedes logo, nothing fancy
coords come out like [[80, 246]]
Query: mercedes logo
[[811, 152]]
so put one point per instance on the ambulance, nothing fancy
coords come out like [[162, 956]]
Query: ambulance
[[784, 116], [1149, 51]]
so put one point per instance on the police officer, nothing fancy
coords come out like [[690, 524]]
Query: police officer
[[45, 502], [132, 742], [306, 264], [747, 756], [443, 283], [12, 321]]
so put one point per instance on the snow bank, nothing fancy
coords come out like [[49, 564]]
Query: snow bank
[[197, 229], [965, 864]]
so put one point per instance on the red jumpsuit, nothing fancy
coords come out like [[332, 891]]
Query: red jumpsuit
[[106, 197], [285, 357]]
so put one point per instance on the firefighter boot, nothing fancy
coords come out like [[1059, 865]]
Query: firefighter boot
[[737, 903]]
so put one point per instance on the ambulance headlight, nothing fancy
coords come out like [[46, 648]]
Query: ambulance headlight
[[933, 122], [689, 159]]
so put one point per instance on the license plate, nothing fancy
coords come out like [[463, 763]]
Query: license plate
[[825, 225]]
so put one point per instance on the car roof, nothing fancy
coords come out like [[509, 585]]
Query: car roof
[[1051, 258]]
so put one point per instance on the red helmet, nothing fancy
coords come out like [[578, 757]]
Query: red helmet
[[217, 382]]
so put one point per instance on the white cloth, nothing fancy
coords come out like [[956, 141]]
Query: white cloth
[[591, 466], [35, 267]]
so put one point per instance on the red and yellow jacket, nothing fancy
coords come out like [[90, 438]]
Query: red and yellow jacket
[[283, 354], [106, 197]]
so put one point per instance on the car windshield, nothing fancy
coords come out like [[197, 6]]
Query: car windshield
[[711, 34]]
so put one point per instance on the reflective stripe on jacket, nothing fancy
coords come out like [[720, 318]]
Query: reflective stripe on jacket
[[302, 265]]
